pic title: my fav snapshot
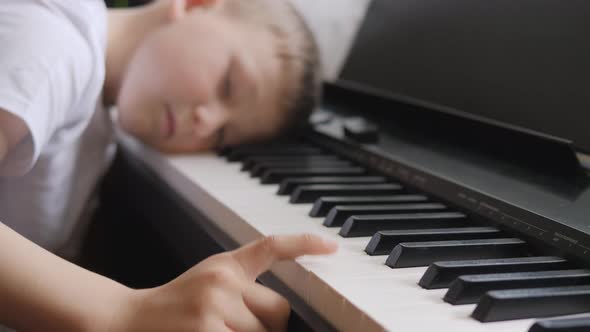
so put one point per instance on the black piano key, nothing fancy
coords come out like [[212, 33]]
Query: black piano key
[[532, 303], [441, 274], [282, 142], [226, 150], [356, 226], [469, 289], [383, 242], [309, 194], [323, 205], [413, 254], [575, 324], [290, 184], [277, 175], [261, 168], [240, 154], [339, 214], [250, 162]]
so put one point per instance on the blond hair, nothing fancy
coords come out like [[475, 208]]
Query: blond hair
[[297, 50]]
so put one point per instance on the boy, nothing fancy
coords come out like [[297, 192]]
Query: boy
[[187, 75]]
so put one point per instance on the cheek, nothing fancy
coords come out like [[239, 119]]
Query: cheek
[[127, 113], [130, 104], [139, 94]]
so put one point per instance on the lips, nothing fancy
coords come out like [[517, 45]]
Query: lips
[[169, 123]]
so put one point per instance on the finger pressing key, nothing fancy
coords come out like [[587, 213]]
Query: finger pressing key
[[257, 257]]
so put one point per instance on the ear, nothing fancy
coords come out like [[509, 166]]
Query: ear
[[179, 8]]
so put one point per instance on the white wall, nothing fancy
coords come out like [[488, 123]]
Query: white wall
[[335, 24]]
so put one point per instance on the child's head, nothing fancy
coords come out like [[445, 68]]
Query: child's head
[[220, 72]]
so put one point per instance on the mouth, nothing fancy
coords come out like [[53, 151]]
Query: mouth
[[169, 123]]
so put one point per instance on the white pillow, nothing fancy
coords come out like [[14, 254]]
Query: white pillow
[[335, 24]]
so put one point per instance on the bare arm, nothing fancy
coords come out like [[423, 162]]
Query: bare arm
[[12, 131], [40, 291]]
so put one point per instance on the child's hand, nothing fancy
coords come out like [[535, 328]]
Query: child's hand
[[220, 293]]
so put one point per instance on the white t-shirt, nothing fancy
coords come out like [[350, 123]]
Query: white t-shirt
[[52, 68]]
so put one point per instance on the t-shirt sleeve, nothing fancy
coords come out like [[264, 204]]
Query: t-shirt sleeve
[[43, 71], [28, 101]]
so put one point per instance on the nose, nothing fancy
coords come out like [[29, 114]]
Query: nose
[[208, 119]]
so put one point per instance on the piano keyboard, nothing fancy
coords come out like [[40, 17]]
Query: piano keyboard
[[406, 262]]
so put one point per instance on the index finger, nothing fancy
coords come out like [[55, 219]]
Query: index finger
[[258, 256]]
